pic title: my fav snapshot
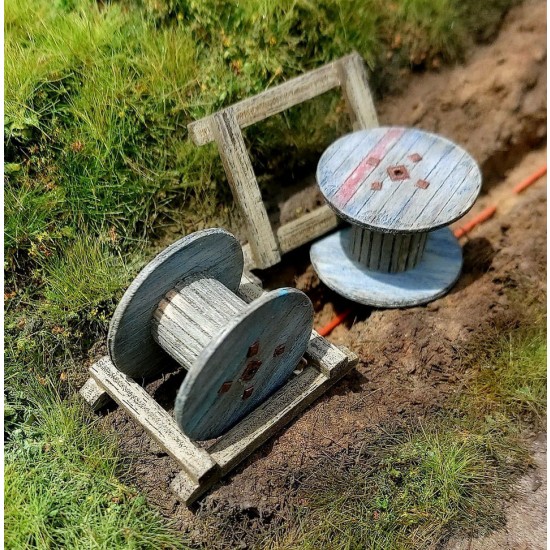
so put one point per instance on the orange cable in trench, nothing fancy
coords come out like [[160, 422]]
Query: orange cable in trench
[[530, 180], [327, 329], [489, 212], [483, 216]]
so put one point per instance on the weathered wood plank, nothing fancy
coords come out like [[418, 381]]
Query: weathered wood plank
[[386, 252], [94, 395], [398, 180], [188, 490], [271, 416], [356, 92], [298, 232], [131, 345], [306, 228], [272, 101], [325, 356], [249, 359], [196, 462], [244, 186]]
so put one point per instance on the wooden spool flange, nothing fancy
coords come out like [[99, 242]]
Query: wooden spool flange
[[399, 188], [183, 306]]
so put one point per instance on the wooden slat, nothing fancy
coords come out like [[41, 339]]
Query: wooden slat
[[326, 357], [94, 395], [272, 101], [306, 228], [155, 420], [245, 188], [356, 92], [298, 232]]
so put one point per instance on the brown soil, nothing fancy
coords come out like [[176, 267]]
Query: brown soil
[[410, 360]]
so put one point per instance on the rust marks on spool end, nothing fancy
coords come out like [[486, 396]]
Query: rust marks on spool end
[[250, 370], [279, 350], [247, 393], [422, 184], [373, 161], [415, 157], [376, 185], [398, 173], [253, 349], [225, 387]]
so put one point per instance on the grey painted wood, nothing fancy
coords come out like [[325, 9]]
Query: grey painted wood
[[306, 228], [355, 88], [272, 101], [132, 348], [94, 395], [320, 352], [190, 316], [267, 339], [298, 232], [432, 183], [386, 252], [196, 462], [327, 364], [437, 271], [244, 186]]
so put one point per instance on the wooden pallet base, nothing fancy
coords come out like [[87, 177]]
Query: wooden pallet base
[[201, 466]]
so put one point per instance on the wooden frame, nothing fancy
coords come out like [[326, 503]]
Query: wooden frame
[[265, 247], [202, 467]]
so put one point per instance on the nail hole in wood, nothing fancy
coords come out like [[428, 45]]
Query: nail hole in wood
[[398, 173], [253, 349], [279, 350], [376, 185]]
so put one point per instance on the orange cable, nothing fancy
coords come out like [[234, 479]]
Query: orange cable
[[327, 329], [489, 212], [530, 180], [483, 216]]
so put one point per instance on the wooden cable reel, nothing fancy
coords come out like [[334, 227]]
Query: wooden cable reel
[[183, 306]]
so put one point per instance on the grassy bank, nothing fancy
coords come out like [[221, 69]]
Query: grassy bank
[[65, 486], [97, 99]]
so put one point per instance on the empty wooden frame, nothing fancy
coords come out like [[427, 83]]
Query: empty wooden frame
[[224, 127]]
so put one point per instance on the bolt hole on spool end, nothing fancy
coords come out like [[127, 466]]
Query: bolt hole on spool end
[[183, 307]]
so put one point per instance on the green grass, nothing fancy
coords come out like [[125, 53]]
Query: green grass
[[98, 98], [63, 488], [69, 290], [406, 489], [511, 379]]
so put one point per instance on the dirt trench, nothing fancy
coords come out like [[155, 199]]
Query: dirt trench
[[410, 360]]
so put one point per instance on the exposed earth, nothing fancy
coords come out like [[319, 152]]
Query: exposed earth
[[494, 105]]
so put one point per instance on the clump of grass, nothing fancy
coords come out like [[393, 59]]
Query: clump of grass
[[84, 279], [511, 380], [62, 487], [408, 489]]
